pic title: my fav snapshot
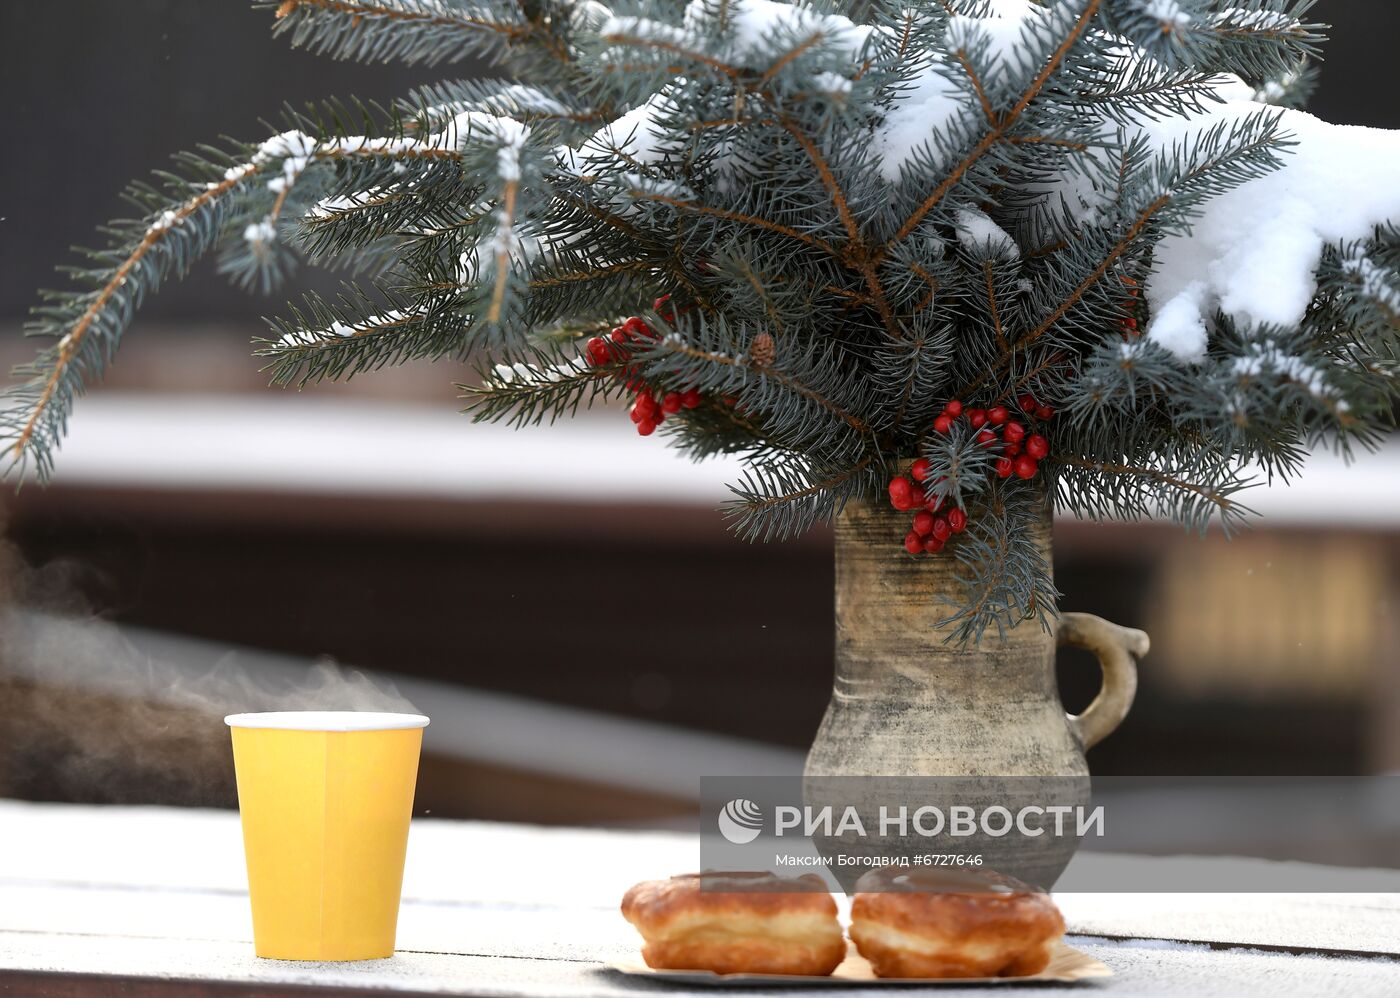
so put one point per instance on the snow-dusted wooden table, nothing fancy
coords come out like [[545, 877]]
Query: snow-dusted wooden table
[[152, 901]]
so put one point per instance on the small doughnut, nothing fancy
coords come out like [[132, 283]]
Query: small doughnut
[[741, 923], [952, 923]]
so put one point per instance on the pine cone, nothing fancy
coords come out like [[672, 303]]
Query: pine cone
[[762, 351]]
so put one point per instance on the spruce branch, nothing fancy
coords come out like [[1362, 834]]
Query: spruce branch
[[734, 216], [551, 385], [178, 231], [91, 322], [638, 33], [779, 499], [1113, 488], [1224, 156], [1004, 577], [960, 467], [1004, 124], [856, 251], [412, 31], [775, 377], [353, 335]]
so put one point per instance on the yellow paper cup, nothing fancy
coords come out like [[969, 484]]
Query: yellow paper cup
[[325, 798]]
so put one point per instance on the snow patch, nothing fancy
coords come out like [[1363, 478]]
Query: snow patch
[[512, 136], [1179, 325], [1002, 29], [1169, 12], [937, 100], [165, 220], [638, 135], [505, 374], [341, 330], [260, 233], [763, 29], [978, 233], [1375, 282], [1253, 20], [521, 97], [1254, 251], [931, 103], [1269, 359], [832, 83]]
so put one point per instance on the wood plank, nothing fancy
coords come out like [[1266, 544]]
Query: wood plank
[[49, 985], [1141, 968], [1321, 924], [1339, 924], [464, 929]]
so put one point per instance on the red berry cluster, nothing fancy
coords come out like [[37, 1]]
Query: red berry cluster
[[1021, 454], [931, 528], [648, 412], [1021, 450]]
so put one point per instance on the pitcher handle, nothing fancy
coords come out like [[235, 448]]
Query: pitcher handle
[[1116, 648]]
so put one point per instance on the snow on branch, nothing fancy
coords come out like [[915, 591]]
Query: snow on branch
[[760, 35], [1253, 252], [1374, 282]]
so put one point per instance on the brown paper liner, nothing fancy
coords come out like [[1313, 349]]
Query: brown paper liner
[[1066, 964]]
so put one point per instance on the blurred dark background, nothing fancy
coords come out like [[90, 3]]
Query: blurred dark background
[[1273, 655]]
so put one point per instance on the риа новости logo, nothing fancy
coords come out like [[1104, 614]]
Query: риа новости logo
[[740, 821]]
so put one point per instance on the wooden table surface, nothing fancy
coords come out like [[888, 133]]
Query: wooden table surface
[[152, 901]]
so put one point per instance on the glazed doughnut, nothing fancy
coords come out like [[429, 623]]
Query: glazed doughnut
[[741, 923], [952, 924]]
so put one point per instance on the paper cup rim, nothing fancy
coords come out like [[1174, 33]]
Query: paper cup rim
[[327, 720]]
